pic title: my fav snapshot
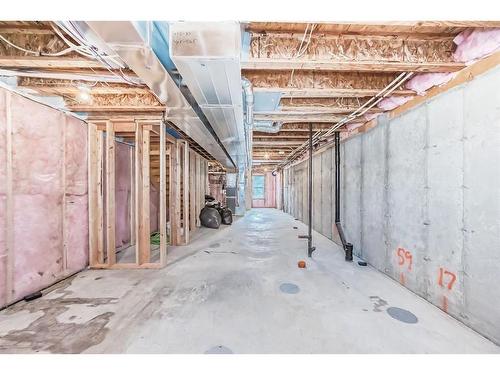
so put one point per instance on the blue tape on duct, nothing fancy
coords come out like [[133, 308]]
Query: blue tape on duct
[[142, 28], [246, 38], [159, 44], [173, 133], [159, 40]]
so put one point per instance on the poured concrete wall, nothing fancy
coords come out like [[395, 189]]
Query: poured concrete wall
[[421, 200], [43, 196], [295, 198]]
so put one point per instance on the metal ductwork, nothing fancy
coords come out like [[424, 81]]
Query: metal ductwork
[[131, 41], [267, 126], [207, 56], [249, 103], [248, 90]]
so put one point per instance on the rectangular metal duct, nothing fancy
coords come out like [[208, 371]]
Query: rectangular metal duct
[[133, 47], [207, 56]]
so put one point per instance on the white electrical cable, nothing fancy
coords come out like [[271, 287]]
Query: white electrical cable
[[92, 53], [36, 53], [393, 85], [300, 52]]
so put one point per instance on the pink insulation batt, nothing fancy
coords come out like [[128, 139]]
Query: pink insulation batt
[[424, 81], [123, 194], [392, 102], [3, 198], [49, 167], [473, 44]]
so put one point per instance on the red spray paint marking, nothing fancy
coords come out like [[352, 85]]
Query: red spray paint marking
[[404, 257], [451, 278], [445, 304], [446, 279], [402, 278]]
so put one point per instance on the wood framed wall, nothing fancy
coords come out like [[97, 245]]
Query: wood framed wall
[[271, 184], [156, 158], [150, 143]]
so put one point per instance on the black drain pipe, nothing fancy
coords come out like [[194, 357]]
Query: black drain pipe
[[346, 245], [310, 248]]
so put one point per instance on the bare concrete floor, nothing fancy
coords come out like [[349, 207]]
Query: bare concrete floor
[[229, 291]]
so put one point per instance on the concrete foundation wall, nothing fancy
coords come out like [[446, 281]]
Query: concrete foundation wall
[[295, 198], [421, 200]]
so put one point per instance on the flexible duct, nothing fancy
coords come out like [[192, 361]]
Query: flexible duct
[[248, 90], [249, 100], [267, 126]]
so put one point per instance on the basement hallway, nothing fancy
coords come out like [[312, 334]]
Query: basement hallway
[[237, 290]]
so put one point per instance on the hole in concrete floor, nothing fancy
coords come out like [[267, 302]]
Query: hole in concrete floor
[[402, 315], [289, 288], [219, 349]]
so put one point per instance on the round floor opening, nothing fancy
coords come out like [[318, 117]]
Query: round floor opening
[[402, 315], [289, 288]]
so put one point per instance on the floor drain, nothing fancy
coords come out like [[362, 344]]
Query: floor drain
[[402, 315], [219, 349], [289, 288]]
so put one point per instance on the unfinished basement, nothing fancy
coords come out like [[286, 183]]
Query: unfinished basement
[[249, 187]]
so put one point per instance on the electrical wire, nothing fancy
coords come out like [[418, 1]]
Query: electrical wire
[[318, 136], [91, 52], [36, 53], [301, 50]]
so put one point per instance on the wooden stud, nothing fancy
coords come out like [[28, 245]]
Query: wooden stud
[[100, 196], [185, 182], [145, 248], [163, 195], [128, 266], [142, 142], [175, 195], [171, 205], [92, 193], [198, 188], [192, 191], [132, 212], [138, 188], [110, 194]]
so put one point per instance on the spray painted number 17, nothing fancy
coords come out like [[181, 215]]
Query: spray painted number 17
[[405, 257]]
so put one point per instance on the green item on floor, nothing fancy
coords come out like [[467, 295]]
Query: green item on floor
[[155, 238]]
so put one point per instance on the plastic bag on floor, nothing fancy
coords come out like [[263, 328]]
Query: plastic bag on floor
[[210, 218], [227, 216]]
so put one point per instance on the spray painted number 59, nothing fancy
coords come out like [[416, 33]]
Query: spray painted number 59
[[404, 258]]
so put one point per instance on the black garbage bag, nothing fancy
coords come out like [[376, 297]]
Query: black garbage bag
[[227, 215], [210, 217], [209, 198]]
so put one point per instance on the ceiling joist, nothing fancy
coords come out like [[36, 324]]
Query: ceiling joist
[[291, 92], [48, 62], [350, 66]]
